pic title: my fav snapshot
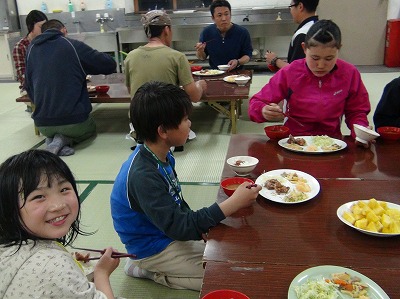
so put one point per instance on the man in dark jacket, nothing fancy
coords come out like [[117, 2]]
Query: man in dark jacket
[[387, 112], [55, 79]]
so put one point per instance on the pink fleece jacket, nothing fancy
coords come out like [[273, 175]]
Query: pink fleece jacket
[[317, 102]]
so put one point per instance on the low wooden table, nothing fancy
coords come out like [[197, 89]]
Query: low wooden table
[[217, 91], [270, 239], [259, 250]]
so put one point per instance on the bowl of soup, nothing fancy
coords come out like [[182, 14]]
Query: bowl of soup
[[277, 132], [229, 185], [225, 294]]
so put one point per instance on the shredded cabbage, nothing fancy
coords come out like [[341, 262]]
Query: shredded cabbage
[[316, 289], [323, 140]]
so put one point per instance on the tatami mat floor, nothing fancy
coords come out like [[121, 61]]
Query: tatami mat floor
[[97, 161]]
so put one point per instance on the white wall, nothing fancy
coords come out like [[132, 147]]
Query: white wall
[[393, 9], [25, 6]]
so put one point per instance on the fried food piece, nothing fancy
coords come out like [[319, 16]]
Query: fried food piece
[[299, 141], [81, 257], [274, 184]]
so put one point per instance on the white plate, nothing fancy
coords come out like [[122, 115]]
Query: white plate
[[346, 207], [277, 174], [374, 290], [303, 149], [214, 73], [231, 78]]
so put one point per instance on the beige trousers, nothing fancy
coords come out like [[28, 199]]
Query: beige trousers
[[179, 266]]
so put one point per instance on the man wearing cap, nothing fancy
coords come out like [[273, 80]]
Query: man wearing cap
[[156, 61], [224, 42]]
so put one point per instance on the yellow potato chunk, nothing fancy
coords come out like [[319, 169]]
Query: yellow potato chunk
[[386, 220], [374, 216], [362, 223], [349, 217], [371, 216], [371, 227], [372, 203]]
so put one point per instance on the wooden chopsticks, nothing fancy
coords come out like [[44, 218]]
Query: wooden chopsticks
[[113, 255]]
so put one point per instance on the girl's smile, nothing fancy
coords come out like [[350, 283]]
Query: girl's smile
[[50, 210]]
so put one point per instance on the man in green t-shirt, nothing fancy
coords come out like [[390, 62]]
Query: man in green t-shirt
[[156, 61]]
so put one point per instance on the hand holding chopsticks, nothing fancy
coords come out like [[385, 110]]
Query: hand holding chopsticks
[[113, 255]]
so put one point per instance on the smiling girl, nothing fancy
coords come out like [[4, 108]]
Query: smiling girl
[[318, 90], [39, 215]]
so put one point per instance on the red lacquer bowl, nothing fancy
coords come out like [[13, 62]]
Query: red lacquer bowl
[[389, 133], [225, 294], [102, 88], [277, 132], [196, 68], [230, 184]]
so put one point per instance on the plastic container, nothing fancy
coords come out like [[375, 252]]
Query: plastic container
[[43, 7], [109, 4], [83, 6], [70, 6]]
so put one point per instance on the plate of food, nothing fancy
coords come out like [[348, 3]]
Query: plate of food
[[231, 78], [334, 282], [312, 144], [208, 72], [288, 186], [372, 217]]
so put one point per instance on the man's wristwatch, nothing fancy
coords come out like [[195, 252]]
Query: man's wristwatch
[[238, 63]]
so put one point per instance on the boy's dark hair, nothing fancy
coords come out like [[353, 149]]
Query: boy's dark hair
[[53, 24], [19, 176], [158, 104], [33, 17], [309, 5], [219, 3], [324, 32]]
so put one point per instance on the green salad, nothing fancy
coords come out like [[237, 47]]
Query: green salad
[[316, 289]]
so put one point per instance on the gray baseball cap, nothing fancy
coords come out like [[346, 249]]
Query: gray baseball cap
[[155, 18]]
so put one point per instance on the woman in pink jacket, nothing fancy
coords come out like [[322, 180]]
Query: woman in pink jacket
[[318, 90]]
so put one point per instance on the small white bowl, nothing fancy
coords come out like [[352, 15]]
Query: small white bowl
[[242, 165], [242, 80], [223, 67], [364, 135]]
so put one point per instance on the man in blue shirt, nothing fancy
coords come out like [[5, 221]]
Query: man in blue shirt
[[224, 42]]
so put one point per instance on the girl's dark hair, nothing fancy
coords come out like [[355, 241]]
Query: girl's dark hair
[[324, 32], [219, 3], [19, 176], [158, 104], [33, 17]]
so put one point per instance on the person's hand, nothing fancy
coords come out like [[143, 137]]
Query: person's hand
[[245, 194], [106, 263], [269, 56], [272, 112], [243, 197], [200, 50], [234, 63], [202, 84]]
